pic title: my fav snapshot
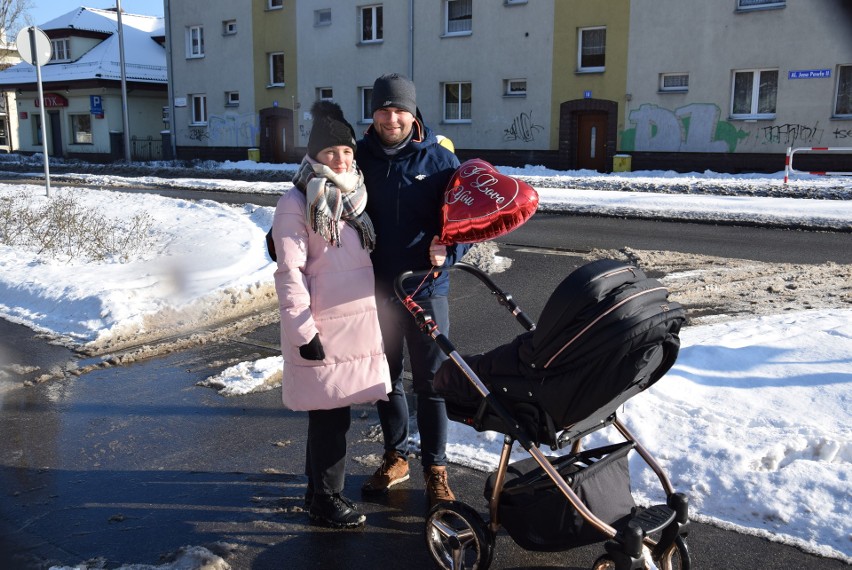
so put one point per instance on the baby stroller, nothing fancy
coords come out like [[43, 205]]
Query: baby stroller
[[607, 333]]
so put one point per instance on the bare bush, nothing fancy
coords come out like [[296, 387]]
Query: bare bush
[[65, 230]]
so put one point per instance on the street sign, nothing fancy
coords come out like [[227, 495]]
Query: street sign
[[34, 46]]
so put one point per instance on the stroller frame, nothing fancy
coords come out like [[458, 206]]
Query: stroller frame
[[457, 536]]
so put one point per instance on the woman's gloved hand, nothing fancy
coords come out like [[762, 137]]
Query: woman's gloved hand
[[313, 350]]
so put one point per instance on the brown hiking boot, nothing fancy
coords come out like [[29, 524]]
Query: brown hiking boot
[[392, 471], [437, 487]]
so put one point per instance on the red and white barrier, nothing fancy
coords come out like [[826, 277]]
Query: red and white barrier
[[788, 162]]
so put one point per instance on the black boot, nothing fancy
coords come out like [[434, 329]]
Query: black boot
[[335, 511]]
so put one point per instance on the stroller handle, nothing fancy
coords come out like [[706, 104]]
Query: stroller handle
[[505, 299]]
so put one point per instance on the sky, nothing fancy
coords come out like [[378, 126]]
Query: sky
[[46, 10], [787, 480]]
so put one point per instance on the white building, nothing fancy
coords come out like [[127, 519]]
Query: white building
[[82, 87]]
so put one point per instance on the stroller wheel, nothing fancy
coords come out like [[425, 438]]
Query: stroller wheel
[[676, 557], [458, 538]]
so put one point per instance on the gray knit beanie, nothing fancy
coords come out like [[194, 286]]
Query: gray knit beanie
[[394, 90]]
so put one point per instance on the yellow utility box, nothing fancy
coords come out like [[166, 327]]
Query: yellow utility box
[[621, 163], [254, 154]]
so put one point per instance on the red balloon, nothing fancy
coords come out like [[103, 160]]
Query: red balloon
[[481, 204]]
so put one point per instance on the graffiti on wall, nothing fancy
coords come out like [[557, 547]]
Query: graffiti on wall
[[522, 129], [227, 130], [692, 128], [697, 128], [234, 130]]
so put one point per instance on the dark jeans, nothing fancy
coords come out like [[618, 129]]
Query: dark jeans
[[398, 327], [325, 461]]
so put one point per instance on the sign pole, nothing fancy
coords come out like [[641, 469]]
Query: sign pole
[[43, 110]]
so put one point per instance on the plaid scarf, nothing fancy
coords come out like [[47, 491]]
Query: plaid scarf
[[332, 197]]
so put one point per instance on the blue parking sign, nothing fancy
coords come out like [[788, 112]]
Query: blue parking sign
[[96, 105]]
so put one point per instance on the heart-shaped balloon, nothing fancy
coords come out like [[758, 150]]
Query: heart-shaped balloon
[[481, 204]]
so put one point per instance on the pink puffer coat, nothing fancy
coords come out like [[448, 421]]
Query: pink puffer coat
[[328, 290]]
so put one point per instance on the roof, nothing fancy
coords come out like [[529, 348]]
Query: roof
[[145, 58]]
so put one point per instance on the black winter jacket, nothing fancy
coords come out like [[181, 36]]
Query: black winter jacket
[[405, 194]]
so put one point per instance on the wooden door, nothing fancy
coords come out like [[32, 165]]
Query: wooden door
[[591, 141]]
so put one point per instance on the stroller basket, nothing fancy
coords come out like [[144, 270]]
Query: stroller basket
[[537, 515], [607, 333]]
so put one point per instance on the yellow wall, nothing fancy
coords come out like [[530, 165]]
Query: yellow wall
[[274, 30], [569, 17]]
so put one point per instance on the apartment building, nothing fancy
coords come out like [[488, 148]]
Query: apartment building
[[726, 85], [233, 78], [731, 84]]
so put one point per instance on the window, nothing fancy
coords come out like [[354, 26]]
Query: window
[[843, 103], [325, 94], [81, 129], [4, 139], [195, 41], [276, 69], [229, 27], [457, 102], [515, 87], [372, 24], [60, 50], [322, 17], [591, 54], [674, 82], [754, 94], [275, 4], [232, 98], [199, 109], [757, 4], [459, 17], [36, 121], [366, 105]]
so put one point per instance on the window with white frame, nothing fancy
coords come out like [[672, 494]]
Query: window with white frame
[[843, 99], [366, 105], [372, 23], [232, 98], [276, 69], [325, 94], [322, 17], [194, 41], [674, 82], [81, 128], [275, 4], [198, 109], [458, 17], [753, 94], [60, 50], [229, 27], [760, 4], [457, 102], [591, 51], [515, 87]]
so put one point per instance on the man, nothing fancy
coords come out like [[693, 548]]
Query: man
[[406, 172]]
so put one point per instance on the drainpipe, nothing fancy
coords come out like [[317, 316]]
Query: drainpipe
[[411, 39]]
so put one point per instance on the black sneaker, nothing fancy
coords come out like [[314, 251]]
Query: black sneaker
[[335, 511], [309, 498]]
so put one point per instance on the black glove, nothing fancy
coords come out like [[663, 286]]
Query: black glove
[[313, 350], [270, 246]]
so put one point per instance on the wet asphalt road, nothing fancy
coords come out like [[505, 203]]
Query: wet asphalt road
[[129, 464], [126, 465]]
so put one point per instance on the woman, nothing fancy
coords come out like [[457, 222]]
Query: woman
[[330, 337]]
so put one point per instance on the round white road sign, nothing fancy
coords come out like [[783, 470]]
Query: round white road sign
[[25, 46]]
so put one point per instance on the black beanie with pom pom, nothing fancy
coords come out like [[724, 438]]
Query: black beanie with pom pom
[[330, 128]]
